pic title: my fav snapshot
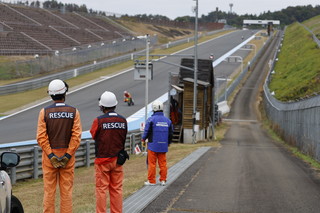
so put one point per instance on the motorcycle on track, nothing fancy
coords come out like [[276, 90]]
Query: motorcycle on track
[[129, 101], [128, 98]]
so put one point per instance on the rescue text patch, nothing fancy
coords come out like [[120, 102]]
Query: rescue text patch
[[55, 115], [114, 125]]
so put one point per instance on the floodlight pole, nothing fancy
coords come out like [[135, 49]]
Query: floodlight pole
[[147, 77], [195, 72]]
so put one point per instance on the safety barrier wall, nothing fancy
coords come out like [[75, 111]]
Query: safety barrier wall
[[297, 122], [30, 155]]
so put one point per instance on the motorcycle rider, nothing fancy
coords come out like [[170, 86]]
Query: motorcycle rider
[[128, 98]]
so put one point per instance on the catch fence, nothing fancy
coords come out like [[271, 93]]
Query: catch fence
[[297, 122]]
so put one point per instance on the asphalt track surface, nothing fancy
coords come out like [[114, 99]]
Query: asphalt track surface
[[22, 126], [249, 173]]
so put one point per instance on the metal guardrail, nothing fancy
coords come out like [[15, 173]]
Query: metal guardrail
[[190, 39], [314, 37], [297, 122], [30, 166]]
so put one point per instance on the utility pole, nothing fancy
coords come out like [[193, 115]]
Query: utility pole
[[195, 71], [147, 78]]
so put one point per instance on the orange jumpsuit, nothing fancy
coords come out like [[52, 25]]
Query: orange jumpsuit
[[158, 131], [51, 175], [152, 163], [109, 132]]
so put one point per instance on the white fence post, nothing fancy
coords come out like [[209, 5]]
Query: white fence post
[[88, 153], [13, 170], [35, 162]]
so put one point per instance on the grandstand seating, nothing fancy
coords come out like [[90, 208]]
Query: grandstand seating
[[40, 29]]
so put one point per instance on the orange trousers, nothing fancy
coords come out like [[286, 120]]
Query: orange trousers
[[152, 161], [109, 177], [52, 176]]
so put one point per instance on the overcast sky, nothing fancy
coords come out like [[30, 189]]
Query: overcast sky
[[176, 8]]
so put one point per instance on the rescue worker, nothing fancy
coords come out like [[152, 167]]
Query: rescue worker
[[109, 132], [158, 130], [58, 134]]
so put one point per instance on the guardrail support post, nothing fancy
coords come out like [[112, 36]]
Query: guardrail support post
[[13, 170], [87, 153], [132, 143], [35, 162]]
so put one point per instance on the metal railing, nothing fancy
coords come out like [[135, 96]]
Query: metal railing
[[189, 39], [30, 155], [314, 37], [297, 122]]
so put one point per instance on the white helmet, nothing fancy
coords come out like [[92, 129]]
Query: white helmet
[[57, 87], [157, 106], [108, 99]]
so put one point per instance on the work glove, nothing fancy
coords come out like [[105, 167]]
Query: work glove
[[143, 143], [64, 160], [55, 161]]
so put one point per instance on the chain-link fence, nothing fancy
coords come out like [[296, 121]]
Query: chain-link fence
[[298, 123], [62, 59]]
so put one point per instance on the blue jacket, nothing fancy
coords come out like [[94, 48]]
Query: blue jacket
[[158, 131]]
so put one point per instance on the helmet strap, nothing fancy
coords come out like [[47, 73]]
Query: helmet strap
[[101, 108]]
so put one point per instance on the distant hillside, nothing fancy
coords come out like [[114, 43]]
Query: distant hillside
[[165, 33], [297, 72]]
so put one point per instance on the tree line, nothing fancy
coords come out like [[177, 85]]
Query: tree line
[[286, 16], [61, 6]]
